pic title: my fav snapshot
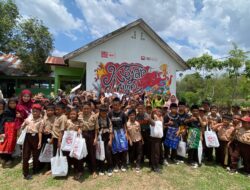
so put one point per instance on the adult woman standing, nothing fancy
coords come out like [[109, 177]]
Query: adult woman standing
[[23, 107]]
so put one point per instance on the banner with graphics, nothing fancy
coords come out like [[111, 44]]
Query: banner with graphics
[[132, 78]]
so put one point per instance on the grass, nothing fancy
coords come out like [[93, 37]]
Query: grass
[[179, 177]]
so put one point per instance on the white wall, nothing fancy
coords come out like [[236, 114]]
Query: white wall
[[127, 48]]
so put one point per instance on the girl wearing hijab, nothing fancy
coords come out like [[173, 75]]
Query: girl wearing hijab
[[172, 99], [8, 133]]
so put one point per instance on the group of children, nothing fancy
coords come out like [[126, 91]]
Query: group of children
[[127, 132]]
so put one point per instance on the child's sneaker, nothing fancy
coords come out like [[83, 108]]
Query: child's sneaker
[[116, 169], [137, 169], [180, 161], [109, 173], [157, 170], [101, 173], [123, 169], [165, 162], [232, 171], [28, 177], [175, 162], [195, 165], [30, 160]]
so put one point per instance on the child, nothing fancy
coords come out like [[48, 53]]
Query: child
[[2, 105], [33, 140], [213, 118], [58, 127], [158, 101], [156, 143], [171, 125], [76, 102], [148, 109], [183, 115], [105, 130], [135, 139], [8, 133], [89, 132], [118, 119], [225, 134], [194, 124], [241, 146], [49, 120], [225, 131], [145, 121], [74, 124]]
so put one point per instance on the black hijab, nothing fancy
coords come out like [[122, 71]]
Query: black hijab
[[8, 115]]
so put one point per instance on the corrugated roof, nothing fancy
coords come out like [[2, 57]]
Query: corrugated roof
[[10, 64], [53, 60]]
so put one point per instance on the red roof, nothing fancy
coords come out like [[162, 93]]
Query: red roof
[[52, 60]]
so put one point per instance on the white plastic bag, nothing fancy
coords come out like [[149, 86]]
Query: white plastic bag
[[100, 150], [79, 149], [211, 138], [68, 140], [46, 153], [21, 138], [200, 149], [157, 130], [59, 164], [182, 148]]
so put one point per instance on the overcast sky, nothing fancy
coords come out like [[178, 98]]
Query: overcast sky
[[190, 27]]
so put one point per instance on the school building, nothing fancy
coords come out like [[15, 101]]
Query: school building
[[131, 59]]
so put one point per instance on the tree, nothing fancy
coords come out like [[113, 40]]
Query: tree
[[237, 59], [205, 64], [28, 38], [190, 88], [247, 69], [33, 45], [8, 21]]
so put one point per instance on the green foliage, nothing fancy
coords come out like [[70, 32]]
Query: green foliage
[[28, 38], [237, 59], [223, 90], [8, 20], [219, 90], [36, 44], [204, 62], [247, 69]]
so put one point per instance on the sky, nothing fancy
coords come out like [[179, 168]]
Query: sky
[[190, 27]]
